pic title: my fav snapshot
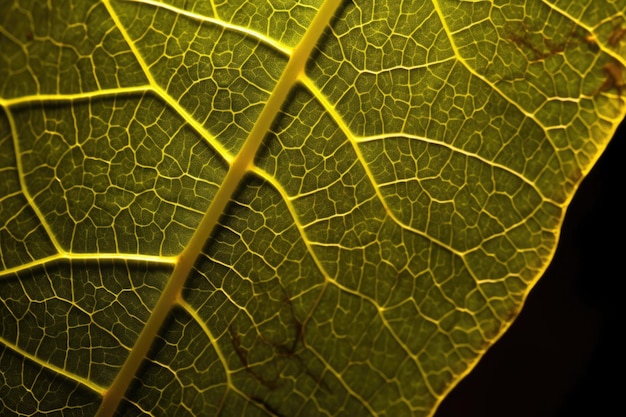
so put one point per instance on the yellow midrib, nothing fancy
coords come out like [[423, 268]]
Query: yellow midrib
[[238, 169]]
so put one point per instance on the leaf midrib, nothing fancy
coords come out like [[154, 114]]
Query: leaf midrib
[[239, 166]]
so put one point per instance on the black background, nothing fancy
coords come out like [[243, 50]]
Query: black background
[[563, 355]]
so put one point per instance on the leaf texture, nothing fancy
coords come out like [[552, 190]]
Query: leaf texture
[[283, 208]]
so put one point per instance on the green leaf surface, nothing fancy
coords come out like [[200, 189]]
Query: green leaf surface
[[283, 208]]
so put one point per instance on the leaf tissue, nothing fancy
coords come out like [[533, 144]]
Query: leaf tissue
[[283, 208]]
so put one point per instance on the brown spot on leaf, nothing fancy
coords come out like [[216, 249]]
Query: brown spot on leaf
[[535, 44], [242, 353], [614, 72], [617, 35]]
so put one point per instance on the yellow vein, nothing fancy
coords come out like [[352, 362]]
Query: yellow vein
[[456, 150], [229, 26], [214, 9], [29, 99], [236, 172], [97, 257], [53, 368], [394, 68]]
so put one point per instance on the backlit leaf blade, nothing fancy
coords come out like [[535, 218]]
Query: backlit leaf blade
[[285, 208]]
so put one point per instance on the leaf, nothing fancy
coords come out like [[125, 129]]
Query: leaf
[[283, 208]]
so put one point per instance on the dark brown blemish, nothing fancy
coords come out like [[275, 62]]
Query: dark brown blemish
[[614, 80], [242, 353], [616, 36], [540, 49]]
